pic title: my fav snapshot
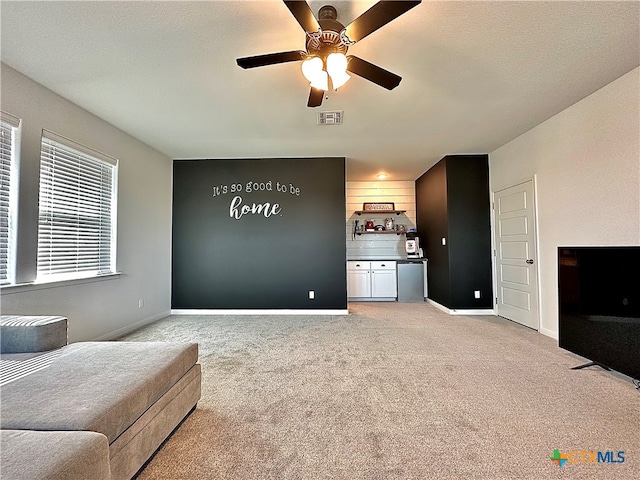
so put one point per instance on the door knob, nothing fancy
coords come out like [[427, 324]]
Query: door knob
[[530, 261]]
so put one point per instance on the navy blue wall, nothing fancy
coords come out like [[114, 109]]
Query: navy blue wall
[[270, 256]]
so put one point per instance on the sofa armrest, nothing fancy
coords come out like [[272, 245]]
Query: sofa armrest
[[32, 333], [54, 455]]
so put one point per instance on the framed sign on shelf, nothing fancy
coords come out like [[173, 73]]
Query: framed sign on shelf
[[378, 207]]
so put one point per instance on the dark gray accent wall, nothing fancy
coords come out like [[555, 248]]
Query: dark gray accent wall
[[259, 234], [452, 202], [432, 220]]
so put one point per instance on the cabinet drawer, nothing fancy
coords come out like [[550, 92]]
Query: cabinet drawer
[[385, 265], [355, 265]]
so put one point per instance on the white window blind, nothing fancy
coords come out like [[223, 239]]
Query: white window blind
[[8, 128], [76, 231]]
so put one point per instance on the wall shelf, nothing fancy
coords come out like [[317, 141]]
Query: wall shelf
[[376, 212], [380, 231]]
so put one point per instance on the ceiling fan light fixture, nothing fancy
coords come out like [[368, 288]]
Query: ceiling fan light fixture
[[336, 63], [321, 81], [337, 69], [311, 67], [339, 80]]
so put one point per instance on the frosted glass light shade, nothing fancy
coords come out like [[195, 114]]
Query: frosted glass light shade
[[313, 70], [321, 81], [311, 67], [337, 68], [336, 64], [339, 80]]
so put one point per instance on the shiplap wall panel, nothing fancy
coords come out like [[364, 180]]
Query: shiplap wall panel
[[379, 246]]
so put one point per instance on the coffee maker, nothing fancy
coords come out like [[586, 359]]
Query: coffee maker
[[412, 245]]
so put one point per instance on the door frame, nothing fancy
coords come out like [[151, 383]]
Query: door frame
[[536, 242]]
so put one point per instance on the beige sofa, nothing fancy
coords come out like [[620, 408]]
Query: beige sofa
[[123, 398]]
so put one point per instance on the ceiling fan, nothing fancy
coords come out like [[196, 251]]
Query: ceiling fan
[[327, 44]]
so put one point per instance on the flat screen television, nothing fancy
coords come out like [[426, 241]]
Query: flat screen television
[[599, 297]]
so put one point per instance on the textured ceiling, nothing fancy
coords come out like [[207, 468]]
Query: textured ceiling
[[475, 74]]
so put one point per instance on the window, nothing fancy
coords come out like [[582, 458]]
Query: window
[[77, 205], [8, 159]]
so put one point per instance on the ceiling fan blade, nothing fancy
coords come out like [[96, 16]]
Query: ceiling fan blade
[[271, 59], [372, 72], [305, 17], [377, 16], [315, 97]]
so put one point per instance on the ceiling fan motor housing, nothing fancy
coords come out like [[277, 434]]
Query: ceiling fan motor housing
[[327, 12], [328, 41]]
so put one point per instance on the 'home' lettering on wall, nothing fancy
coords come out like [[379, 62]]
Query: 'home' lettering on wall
[[237, 209]]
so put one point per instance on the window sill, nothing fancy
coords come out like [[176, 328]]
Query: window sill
[[28, 287]]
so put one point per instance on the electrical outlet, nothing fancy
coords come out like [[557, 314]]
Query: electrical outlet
[[312, 294], [476, 293], [141, 303]]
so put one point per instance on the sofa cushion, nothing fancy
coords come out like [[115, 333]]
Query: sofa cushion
[[98, 386], [29, 455], [14, 366], [32, 333]]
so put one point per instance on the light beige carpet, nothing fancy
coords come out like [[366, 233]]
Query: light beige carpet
[[391, 391]]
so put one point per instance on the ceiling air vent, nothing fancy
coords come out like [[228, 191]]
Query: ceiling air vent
[[330, 118]]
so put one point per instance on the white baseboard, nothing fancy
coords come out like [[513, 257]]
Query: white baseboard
[[438, 306], [549, 333], [257, 312], [483, 311], [372, 299], [131, 327], [488, 311]]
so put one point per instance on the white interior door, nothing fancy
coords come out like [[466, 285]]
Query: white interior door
[[516, 259]]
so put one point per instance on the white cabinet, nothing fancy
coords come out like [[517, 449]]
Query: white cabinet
[[358, 279], [372, 280], [383, 279]]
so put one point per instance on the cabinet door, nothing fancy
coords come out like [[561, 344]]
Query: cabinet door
[[358, 283], [383, 283]]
